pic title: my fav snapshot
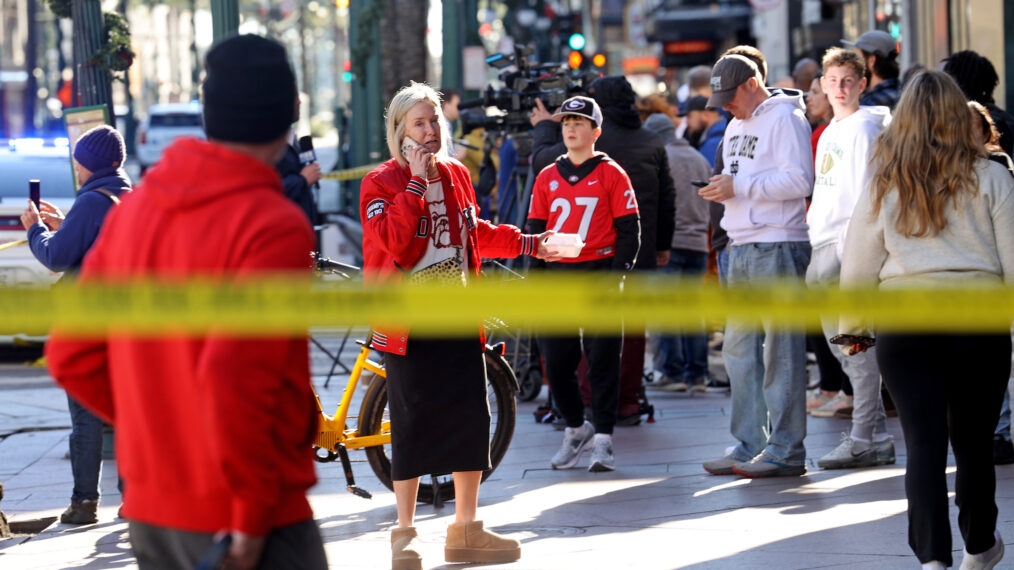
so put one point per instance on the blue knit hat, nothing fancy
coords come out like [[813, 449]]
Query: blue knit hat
[[100, 147]]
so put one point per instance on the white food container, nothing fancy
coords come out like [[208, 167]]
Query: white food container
[[569, 245]]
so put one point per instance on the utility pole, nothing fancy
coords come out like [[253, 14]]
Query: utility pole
[[92, 80], [224, 18], [367, 132], [31, 62], [451, 65]]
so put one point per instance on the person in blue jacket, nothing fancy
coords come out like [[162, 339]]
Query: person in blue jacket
[[60, 243]]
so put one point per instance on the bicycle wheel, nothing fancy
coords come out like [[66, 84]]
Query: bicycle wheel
[[500, 389]]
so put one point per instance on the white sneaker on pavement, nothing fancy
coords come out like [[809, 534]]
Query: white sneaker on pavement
[[602, 454], [840, 400], [984, 560], [574, 442]]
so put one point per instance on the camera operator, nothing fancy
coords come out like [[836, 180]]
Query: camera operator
[[641, 153]]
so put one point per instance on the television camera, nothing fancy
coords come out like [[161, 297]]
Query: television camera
[[526, 82]]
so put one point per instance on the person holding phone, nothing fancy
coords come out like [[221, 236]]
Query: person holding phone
[[420, 223], [60, 243], [938, 213]]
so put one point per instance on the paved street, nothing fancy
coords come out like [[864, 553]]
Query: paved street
[[658, 510]]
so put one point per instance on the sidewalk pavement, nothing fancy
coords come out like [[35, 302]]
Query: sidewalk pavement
[[658, 510]]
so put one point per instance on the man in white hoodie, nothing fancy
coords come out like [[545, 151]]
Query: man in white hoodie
[[843, 170], [767, 175]]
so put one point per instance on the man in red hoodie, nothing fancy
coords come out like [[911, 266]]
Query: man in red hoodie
[[213, 432]]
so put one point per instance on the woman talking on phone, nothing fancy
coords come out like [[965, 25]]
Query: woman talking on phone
[[937, 213], [419, 224]]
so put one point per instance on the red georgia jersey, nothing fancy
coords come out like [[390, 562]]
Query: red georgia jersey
[[585, 206]]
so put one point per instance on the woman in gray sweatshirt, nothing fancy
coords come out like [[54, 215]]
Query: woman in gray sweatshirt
[[937, 213]]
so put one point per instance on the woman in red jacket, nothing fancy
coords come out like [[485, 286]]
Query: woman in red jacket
[[420, 223]]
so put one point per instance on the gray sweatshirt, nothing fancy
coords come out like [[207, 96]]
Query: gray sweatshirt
[[685, 164], [977, 244]]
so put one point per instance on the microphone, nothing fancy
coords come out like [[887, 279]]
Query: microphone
[[306, 153]]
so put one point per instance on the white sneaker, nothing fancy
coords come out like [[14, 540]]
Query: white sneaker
[[984, 560], [840, 400], [574, 442], [602, 454]]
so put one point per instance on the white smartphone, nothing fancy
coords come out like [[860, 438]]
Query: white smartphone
[[407, 144]]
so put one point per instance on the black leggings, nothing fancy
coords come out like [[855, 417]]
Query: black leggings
[[947, 386]]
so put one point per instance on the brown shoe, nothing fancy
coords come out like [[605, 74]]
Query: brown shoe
[[469, 542], [405, 549], [81, 512], [844, 412]]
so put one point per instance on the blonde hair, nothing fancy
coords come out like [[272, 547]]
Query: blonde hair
[[403, 101], [926, 155], [839, 57]]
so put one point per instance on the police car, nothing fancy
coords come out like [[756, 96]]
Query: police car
[[166, 123], [21, 160]]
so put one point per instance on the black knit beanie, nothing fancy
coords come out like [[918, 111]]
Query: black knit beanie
[[249, 91]]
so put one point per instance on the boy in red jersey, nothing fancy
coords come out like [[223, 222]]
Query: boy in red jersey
[[586, 193]]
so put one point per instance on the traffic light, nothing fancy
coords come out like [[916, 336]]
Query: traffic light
[[347, 71], [599, 60], [575, 59], [576, 41]]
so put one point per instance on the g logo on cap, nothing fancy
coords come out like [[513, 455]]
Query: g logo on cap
[[574, 105]]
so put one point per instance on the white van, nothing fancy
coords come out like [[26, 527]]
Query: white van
[[166, 123]]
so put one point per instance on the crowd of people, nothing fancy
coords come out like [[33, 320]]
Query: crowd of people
[[850, 175], [864, 179]]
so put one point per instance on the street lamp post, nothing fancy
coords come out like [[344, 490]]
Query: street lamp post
[[92, 80], [224, 18]]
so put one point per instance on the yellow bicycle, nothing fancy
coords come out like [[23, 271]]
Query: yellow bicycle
[[372, 431]]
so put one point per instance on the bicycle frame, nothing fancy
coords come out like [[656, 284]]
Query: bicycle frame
[[333, 432]]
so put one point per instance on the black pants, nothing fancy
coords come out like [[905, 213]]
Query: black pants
[[947, 386], [562, 354], [297, 547], [832, 377]]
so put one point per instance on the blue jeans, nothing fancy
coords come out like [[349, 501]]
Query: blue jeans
[[722, 261], [766, 364], [684, 356], [1003, 426], [85, 452]]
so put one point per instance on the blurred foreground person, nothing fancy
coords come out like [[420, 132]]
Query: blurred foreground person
[[189, 408], [937, 213]]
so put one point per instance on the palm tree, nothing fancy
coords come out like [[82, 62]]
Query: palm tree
[[402, 44]]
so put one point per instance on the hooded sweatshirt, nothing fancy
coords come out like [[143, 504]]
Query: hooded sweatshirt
[[685, 164], [638, 151], [64, 250], [843, 170], [771, 162], [212, 431]]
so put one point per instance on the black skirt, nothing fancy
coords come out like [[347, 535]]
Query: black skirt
[[439, 412]]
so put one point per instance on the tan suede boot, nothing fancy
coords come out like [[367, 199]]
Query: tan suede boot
[[469, 542], [405, 549]]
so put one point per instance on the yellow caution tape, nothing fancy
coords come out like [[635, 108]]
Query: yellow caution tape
[[350, 173], [11, 244], [550, 303]]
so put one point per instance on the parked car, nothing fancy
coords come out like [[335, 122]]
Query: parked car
[[22, 160], [166, 123]]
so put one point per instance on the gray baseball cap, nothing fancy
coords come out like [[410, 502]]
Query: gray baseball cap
[[582, 107], [875, 41], [728, 74]]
